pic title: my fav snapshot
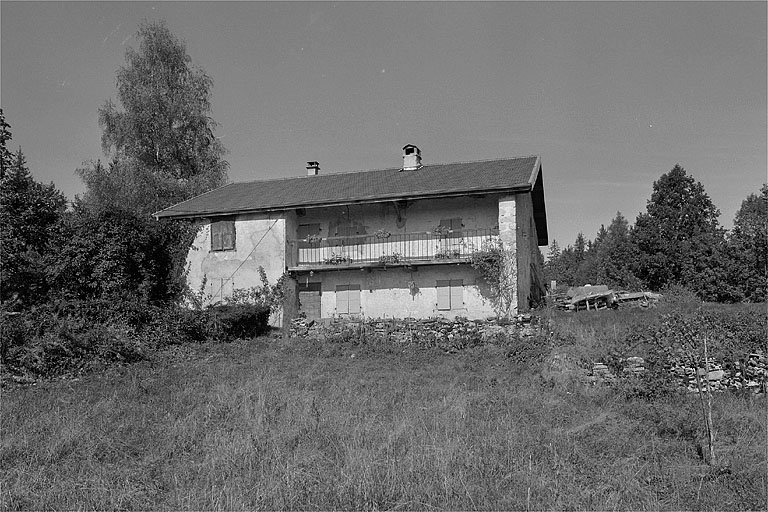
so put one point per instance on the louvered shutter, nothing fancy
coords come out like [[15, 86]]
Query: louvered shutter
[[342, 299], [222, 235], [215, 237], [457, 293], [443, 295], [353, 299], [228, 235]]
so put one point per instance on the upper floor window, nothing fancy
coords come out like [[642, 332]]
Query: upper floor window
[[223, 235], [306, 230], [452, 226]]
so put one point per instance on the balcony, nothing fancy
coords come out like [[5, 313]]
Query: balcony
[[384, 249]]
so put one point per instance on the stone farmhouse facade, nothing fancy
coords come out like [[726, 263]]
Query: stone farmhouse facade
[[384, 243]]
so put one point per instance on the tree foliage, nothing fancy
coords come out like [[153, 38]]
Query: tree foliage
[[161, 150], [610, 257], [6, 157], [28, 211], [748, 246], [678, 238], [112, 254], [161, 143], [677, 242]]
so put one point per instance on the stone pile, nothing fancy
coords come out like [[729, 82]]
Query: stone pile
[[601, 374], [634, 366], [751, 374]]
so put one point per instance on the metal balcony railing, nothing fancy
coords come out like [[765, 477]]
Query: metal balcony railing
[[388, 249]]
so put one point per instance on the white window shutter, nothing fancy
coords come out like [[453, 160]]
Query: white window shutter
[[353, 299], [443, 295], [457, 293], [342, 302]]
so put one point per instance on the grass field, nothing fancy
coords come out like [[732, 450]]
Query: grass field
[[296, 424]]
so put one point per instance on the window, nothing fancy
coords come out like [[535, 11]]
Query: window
[[348, 299], [310, 300], [223, 235], [454, 225], [450, 294], [306, 230]]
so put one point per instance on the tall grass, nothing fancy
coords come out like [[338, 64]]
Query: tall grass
[[303, 425]]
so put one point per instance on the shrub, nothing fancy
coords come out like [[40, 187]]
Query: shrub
[[178, 325], [45, 343], [678, 297], [233, 321]]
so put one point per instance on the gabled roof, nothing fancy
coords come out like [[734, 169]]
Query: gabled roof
[[439, 180], [360, 187]]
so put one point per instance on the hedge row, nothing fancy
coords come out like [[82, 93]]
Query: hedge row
[[72, 336]]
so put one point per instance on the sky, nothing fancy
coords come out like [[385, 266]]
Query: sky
[[611, 95]]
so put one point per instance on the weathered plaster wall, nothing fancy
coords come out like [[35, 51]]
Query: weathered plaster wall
[[417, 216], [386, 293], [224, 271]]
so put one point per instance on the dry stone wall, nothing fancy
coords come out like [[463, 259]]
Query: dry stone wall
[[452, 335], [749, 374], [448, 334]]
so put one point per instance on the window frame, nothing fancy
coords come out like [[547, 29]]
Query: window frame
[[304, 231], [454, 226], [223, 235], [343, 306], [450, 294]]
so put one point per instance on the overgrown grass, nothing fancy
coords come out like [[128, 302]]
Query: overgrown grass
[[298, 424]]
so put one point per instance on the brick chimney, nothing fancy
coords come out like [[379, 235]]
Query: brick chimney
[[313, 168], [411, 157]]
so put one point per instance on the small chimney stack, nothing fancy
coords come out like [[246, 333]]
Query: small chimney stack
[[313, 168], [411, 157]]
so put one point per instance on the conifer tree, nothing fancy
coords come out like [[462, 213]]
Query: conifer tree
[[28, 212], [678, 238], [748, 247]]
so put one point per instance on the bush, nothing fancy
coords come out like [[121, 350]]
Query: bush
[[42, 343], [236, 321], [177, 325], [678, 297]]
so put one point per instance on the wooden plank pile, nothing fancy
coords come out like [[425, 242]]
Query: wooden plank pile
[[600, 297]]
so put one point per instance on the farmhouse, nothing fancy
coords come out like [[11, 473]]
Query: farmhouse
[[385, 243]]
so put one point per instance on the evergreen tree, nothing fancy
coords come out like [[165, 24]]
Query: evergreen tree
[[617, 255], [567, 266], [579, 248], [28, 212], [678, 238], [748, 244], [6, 157], [553, 265]]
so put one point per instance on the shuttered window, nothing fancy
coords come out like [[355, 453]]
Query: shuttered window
[[348, 299], [450, 294], [223, 235]]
